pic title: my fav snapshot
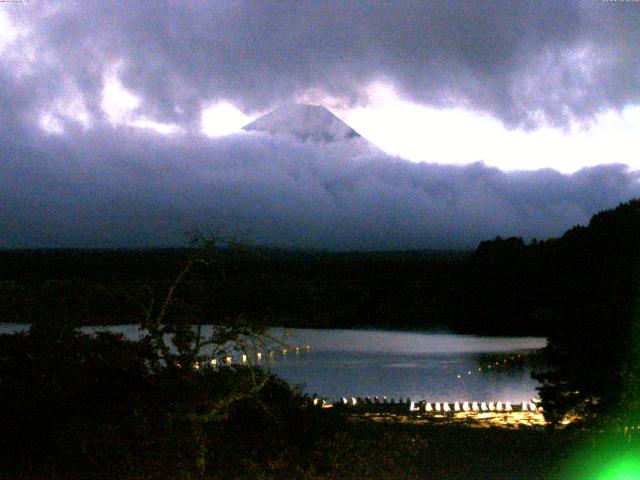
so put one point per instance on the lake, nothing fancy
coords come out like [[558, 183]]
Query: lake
[[431, 366]]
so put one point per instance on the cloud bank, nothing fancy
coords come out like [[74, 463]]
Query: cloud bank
[[72, 174], [526, 63], [117, 188]]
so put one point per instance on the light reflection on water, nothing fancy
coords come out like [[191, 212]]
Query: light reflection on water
[[403, 364], [418, 376], [421, 366], [405, 342]]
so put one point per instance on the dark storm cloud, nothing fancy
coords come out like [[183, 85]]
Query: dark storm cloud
[[525, 62], [113, 188], [116, 186]]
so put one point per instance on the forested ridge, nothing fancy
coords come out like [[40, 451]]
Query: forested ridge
[[504, 286], [414, 289]]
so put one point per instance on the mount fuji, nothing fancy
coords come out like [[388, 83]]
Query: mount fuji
[[305, 122], [314, 124]]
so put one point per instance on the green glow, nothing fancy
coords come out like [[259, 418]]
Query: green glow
[[604, 457], [623, 469]]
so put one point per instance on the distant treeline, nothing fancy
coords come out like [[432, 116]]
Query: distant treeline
[[503, 287], [585, 282], [391, 289]]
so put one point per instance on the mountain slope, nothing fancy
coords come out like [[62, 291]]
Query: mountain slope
[[305, 122]]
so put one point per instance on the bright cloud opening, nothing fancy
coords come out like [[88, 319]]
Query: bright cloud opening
[[17, 50], [117, 102], [457, 136], [222, 119], [72, 107], [69, 108], [8, 31], [163, 128], [50, 123], [120, 106]]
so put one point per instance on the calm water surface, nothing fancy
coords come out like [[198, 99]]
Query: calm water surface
[[430, 366], [417, 365]]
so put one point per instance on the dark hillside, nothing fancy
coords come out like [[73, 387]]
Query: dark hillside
[[387, 289], [504, 287]]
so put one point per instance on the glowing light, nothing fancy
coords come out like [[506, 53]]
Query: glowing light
[[624, 469], [605, 459], [428, 408], [222, 119]]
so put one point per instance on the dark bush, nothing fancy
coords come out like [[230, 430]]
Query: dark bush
[[89, 406]]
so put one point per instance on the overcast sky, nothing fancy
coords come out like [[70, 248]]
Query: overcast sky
[[120, 121]]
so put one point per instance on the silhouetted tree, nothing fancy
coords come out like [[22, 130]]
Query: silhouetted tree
[[100, 405], [594, 347]]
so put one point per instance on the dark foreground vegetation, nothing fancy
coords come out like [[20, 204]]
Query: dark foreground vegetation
[[76, 406], [79, 406]]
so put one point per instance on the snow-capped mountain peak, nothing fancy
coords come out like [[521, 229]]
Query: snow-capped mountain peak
[[305, 122]]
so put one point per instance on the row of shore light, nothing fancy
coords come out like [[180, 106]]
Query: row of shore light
[[444, 407], [490, 366], [244, 358], [473, 407]]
